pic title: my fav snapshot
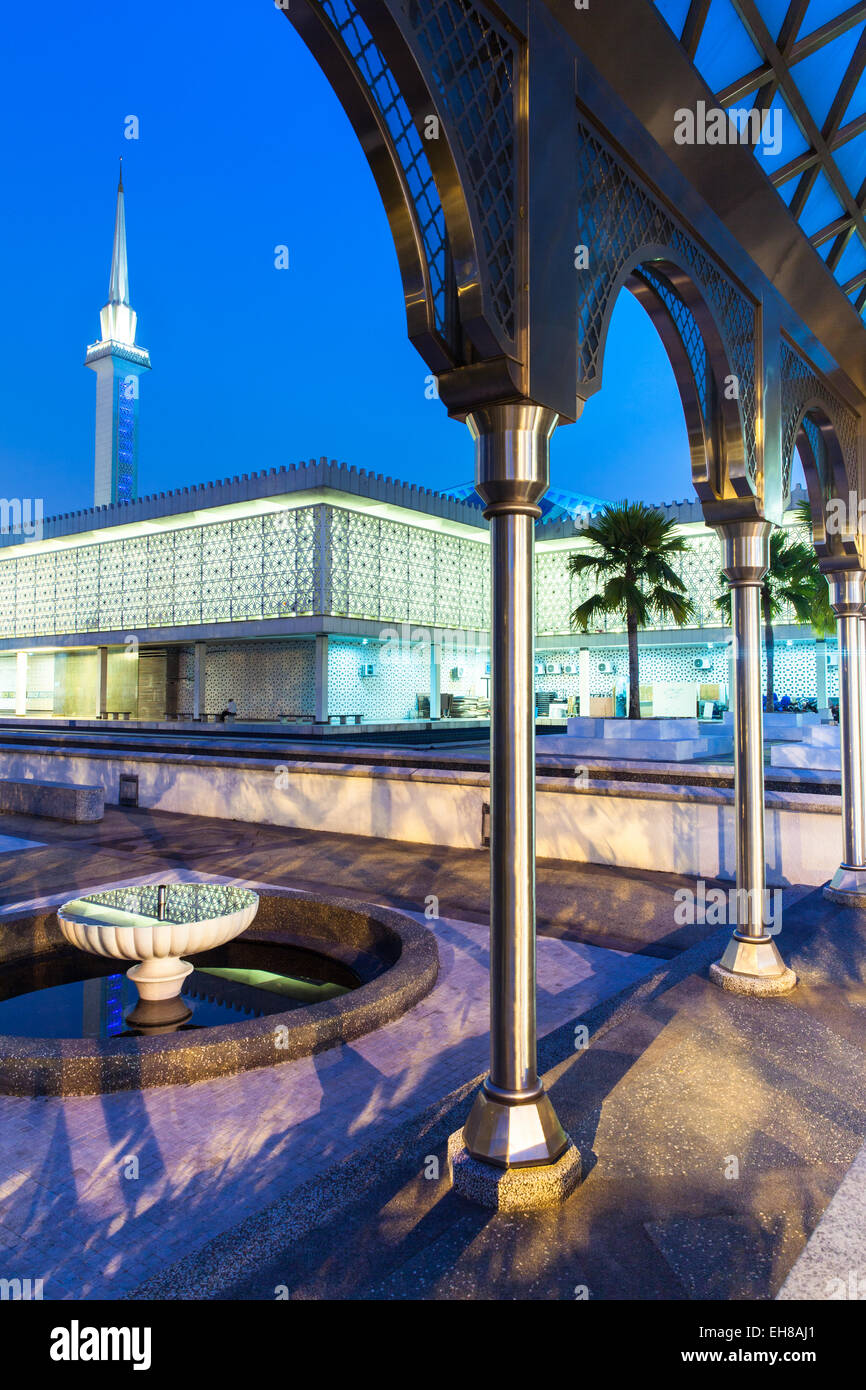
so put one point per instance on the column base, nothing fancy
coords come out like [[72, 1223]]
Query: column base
[[513, 1189], [514, 1133], [752, 966], [847, 886]]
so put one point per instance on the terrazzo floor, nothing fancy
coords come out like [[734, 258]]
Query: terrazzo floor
[[98, 1193]]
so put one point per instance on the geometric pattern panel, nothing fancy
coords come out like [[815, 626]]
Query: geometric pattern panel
[[401, 672], [699, 567], [380, 84], [794, 667], [692, 340], [266, 679], [617, 219], [292, 563], [388, 571], [801, 385], [473, 63], [256, 567]]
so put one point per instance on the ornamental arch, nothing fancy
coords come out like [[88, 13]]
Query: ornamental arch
[[507, 138], [824, 432], [707, 384]]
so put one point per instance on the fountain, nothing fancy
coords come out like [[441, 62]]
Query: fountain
[[155, 925], [282, 974]]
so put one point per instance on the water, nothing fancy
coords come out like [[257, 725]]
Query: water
[[75, 996]]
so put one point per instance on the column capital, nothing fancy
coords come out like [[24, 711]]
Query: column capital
[[512, 454], [745, 550], [847, 592]]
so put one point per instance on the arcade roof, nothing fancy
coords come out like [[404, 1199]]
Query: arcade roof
[[802, 63]]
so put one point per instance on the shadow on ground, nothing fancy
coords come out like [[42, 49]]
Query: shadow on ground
[[714, 1130]]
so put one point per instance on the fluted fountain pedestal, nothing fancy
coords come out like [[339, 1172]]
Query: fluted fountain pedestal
[[156, 926]]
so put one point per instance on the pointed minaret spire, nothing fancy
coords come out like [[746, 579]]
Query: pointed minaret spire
[[118, 362], [118, 290]]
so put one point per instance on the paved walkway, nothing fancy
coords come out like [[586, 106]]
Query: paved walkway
[[98, 1195], [832, 1268], [625, 909], [715, 1130], [205, 1156]]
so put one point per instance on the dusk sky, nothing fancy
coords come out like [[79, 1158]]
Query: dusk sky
[[243, 147]]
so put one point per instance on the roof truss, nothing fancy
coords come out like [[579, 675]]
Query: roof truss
[[781, 53]]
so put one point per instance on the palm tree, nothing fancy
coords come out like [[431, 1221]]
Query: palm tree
[[822, 617], [633, 544], [792, 580]]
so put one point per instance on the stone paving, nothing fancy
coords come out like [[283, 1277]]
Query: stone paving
[[714, 1131], [832, 1267], [625, 909], [11, 843], [214, 1155], [210, 1154]]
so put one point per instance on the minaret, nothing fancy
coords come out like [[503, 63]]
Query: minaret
[[118, 363]]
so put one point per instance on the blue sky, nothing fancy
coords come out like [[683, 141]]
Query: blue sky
[[242, 147]]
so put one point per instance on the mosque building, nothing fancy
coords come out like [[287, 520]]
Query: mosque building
[[317, 592]]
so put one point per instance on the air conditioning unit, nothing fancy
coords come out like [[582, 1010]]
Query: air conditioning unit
[[539, 668], [368, 669], [833, 659], [457, 673], [606, 668], [570, 669], [703, 663], [552, 669]]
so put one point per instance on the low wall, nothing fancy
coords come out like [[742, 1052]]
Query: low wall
[[54, 800], [687, 830]]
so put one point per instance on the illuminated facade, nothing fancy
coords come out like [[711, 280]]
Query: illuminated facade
[[118, 363], [318, 591]]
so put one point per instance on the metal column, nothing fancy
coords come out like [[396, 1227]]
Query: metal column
[[512, 1123], [848, 596], [751, 963]]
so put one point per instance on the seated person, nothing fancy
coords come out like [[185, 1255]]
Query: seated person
[[229, 712]]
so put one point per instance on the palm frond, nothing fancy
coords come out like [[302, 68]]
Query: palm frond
[[630, 545], [666, 603], [585, 612]]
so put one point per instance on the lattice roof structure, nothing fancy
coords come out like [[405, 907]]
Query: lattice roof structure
[[801, 63]]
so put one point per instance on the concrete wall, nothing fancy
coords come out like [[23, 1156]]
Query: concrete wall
[[266, 679], [685, 830]]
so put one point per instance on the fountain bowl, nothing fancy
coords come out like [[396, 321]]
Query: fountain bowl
[[123, 923]]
